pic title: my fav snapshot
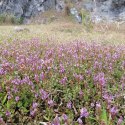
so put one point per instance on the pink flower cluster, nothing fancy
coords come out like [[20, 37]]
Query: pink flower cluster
[[75, 82]]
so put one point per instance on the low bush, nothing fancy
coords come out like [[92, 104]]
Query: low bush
[[2, 18], [10, 19], [86, 20]]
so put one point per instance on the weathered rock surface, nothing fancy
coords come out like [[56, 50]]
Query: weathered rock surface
[[100, 9], [75, 13], [108, 10], [28, 8]]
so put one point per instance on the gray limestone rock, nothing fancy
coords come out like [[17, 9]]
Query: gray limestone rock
[[99, 9]]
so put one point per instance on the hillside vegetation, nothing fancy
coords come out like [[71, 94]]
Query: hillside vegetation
[[62, 73]]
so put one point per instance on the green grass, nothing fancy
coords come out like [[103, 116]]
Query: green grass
[[63, 32]]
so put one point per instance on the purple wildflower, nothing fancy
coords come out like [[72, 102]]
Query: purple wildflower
[[100, 79], [34, 105], [79, 120], [42, 76], [36, 77], [8, 113], [51, 103], [65, 117], [81, 93], [44, 94], [69, 105], [56, 121], [84, 113], [2, 72], [36, 95], [108, 98], [63, 80], [33, 112], [113, 111], [78, 76], [16, 81], [120, 121], [2, 121], [9, 96], [98, 105], [17, 98], [62, 69]]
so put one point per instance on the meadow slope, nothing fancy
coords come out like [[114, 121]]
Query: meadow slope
[[60, 73]]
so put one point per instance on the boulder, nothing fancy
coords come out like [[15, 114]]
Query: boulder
[[60, 5], [21, 29], [75, 13]]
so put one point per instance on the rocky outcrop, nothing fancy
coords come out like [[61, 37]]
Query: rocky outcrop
[[28, 8], [99, 9], [108, 10]]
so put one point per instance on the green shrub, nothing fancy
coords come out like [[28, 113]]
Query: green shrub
[[2, 18], [10, 19], [86, 20], [16, 20]]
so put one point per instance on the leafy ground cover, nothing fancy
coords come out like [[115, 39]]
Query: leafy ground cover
[[71, 83]]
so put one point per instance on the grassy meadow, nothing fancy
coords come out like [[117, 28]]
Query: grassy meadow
[[62, 74], [66, 31]]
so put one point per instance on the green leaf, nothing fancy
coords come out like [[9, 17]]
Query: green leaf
[[8, 104], [91, 118], [104, 116], [4, 99], [24, 110], [46, 118], [3, 84], [19, 104]]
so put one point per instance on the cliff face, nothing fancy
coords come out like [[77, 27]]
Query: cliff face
[[107, 9], [28, 8], [99, 9]]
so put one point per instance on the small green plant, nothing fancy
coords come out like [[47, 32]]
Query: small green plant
[[86, 20], [2, 18], [7, 18], [16, 20]]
